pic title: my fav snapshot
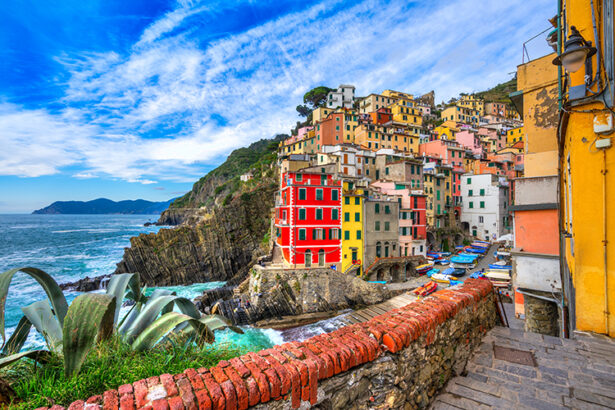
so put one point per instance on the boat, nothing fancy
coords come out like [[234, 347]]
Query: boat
[[426, 289], [438, 277], [432, 271], [423, 269]]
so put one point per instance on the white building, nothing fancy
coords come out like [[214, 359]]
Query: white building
[[343, 97], [484, 212]]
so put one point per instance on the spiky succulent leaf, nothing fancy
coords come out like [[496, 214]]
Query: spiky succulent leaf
[[41, 356], [18, 338], [117, 287], [164, 324], [40, 315], [89, 318], [156, 306], [51, 288]]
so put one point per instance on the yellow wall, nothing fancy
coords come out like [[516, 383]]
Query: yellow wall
[[584, 204], [351, 226]]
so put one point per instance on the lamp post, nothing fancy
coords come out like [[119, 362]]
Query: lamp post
[[577, 51]]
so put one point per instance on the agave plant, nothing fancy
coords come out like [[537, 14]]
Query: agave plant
[[72, 331]]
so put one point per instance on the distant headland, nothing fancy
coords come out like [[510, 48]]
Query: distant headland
[[105, 206]]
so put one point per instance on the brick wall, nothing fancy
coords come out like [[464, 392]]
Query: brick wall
[[399, 358]]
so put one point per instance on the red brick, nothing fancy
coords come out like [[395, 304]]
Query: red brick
[[215, 391], [160, 404], [195, 379], [203, 399], [284, 376], [313, 371], [226, 385], [175, 403], [140, 392], [239, 367], [127, 401], [259, 377], [111, 400], [76, 405], [186, 393], [240, 387]]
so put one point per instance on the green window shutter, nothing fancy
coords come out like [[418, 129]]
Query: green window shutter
[[346, 235], [346, 216], [357, 216], [302, 193]]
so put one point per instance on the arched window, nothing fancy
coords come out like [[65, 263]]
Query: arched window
[[308, 258]]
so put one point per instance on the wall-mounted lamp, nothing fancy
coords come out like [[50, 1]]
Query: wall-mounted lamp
[[576, 52]]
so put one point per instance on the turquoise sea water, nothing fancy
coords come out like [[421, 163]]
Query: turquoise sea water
[[71, 247]]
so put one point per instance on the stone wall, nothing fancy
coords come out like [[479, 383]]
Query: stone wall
[[396, 360]]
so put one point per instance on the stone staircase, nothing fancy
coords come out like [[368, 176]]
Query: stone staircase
[[574, 373]]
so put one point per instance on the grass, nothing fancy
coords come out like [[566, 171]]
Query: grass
[[111, 364]]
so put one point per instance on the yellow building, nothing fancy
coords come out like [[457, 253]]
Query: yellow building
[[471, 102], [352, 224], [587, 176], [460, 114], [515, 135]]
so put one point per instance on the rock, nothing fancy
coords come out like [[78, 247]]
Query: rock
[[87, 284]]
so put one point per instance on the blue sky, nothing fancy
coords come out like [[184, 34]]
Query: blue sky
[[138, 99]]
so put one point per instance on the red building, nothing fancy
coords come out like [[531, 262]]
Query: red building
[[308, 218]]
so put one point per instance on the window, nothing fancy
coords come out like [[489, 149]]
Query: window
[[358, 234], [346, 235], [302, 234], [319, 194], [346, 216], [302, 216], [319, 214], [387, 226], [377, 208], [299, 177], [357, 217], [377, 226], [471, 204], [335, 214], [482, 192], [347, 200], [302, 193], [335, 194], [482, 204]]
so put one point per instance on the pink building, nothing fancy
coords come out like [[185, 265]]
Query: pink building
[[470, 140]]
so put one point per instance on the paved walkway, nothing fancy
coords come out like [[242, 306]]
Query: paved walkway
[[559, 373]]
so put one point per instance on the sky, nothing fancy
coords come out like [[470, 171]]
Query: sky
[[138, 99]]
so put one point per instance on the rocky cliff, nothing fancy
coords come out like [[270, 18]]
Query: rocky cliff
[[223, 224]]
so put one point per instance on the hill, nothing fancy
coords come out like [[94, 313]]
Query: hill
[[500, 92], [104, 206]]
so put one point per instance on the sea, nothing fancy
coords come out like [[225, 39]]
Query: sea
[[71, 247]]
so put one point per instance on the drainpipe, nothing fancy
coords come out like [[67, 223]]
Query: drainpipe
[[604, 245]]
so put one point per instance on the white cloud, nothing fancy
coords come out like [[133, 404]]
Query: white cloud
[[173, 103]]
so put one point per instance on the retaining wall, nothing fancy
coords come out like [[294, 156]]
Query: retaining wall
[[399, 359]]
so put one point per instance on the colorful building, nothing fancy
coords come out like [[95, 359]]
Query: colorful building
[[587, 172], [354, 193], [308, 218]]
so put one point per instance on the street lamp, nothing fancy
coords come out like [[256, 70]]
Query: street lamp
[[576, 52]]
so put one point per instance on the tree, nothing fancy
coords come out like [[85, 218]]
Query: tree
[[316, 96]]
